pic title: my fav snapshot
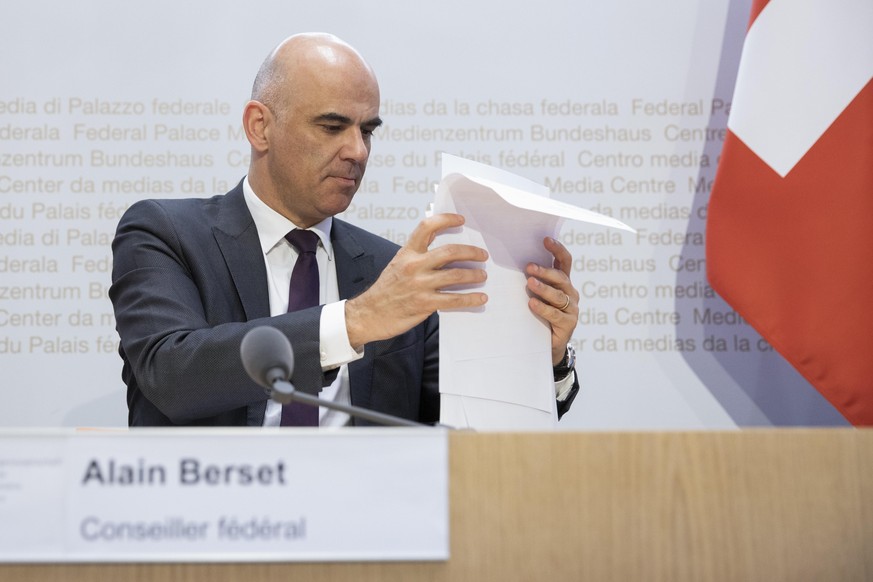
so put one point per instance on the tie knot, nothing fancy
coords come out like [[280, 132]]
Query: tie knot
[[305, 241]]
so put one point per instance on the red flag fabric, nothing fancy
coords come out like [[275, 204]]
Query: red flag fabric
[[790, 241]]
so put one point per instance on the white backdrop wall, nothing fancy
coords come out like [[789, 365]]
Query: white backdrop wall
[[617, 106]]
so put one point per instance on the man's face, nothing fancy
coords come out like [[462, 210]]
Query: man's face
[[320, 142]]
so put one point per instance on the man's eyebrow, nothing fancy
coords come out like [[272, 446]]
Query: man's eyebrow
[[333, 117], [342, 119]]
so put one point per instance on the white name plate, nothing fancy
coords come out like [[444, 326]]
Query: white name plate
[[226, 495]]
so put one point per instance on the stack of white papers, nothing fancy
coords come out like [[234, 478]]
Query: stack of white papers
[[495, 361]]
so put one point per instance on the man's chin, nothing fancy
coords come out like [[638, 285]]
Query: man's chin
[[339, 203]]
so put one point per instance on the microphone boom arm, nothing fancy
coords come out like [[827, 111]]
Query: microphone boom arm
[[284, 392]]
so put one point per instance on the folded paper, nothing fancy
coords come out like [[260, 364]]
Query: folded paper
[[495, 361]]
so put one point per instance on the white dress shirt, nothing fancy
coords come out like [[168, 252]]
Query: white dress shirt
[[279, 258]]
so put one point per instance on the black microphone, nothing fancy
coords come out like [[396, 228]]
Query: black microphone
[[268, 359], [267, 356]]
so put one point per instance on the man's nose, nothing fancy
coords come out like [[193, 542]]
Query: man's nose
[[356, 146]]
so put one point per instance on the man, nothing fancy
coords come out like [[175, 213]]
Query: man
[[191, 277]]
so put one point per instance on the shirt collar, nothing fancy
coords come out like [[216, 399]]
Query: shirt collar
[[272, 226]]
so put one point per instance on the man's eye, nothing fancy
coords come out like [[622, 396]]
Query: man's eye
[[332, 128]]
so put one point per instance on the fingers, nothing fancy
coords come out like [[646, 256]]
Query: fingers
[[558, 276], [445, 255], [424, 234], [554, 297], [553, 286], [563, 260], [414, 283], [456, 253]]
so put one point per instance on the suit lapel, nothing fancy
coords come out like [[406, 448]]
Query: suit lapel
[[356, 271], [237, 238], [354, 266]]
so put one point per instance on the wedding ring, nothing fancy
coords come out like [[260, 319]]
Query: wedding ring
[[566, 305]]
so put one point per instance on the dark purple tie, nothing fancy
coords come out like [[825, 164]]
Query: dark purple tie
[[302, 293]]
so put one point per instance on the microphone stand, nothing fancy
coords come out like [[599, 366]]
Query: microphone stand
[[285, 393]]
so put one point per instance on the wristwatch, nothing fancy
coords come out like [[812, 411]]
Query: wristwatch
[[566, 365]]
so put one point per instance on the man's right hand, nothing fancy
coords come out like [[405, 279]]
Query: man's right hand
[[411, 286]]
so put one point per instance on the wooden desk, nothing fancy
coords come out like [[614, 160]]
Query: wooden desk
[[747, 505]]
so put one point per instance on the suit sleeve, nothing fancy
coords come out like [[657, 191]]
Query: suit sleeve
[[429, 407], [181, 320]]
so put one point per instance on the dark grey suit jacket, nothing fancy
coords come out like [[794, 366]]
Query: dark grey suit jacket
[[189, 281]]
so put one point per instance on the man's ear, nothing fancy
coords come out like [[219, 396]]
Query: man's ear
[[257, 119]]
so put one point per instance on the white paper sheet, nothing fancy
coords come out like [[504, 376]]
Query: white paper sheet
[[495, 361]]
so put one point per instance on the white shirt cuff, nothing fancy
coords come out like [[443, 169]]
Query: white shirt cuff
[[563, 386], [334, 337]]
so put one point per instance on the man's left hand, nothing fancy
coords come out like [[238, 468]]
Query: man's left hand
[[554, 298]]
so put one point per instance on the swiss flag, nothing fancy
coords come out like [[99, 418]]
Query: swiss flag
[[790, 223]]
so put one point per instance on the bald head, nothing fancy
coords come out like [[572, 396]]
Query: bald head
[[301, 58]]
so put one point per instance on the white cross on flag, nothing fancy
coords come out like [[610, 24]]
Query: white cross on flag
[[790, 224]]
